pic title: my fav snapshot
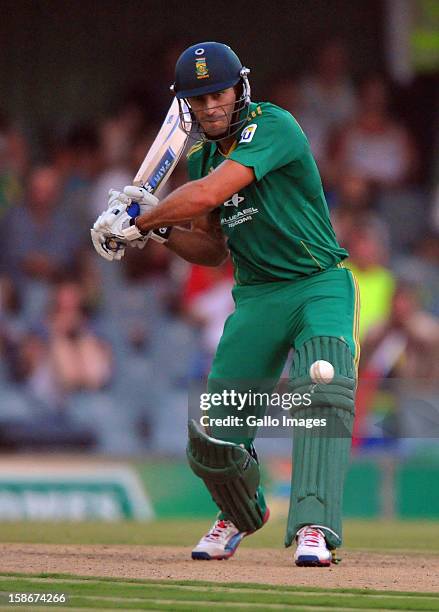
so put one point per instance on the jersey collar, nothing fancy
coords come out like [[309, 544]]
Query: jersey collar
[[232, 148]]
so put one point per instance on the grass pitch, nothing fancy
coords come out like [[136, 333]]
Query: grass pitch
[[381, 536], [113, 594]]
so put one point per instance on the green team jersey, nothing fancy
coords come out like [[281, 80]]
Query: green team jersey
[[278, 227]]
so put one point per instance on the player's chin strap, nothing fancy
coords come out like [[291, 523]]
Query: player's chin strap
[[190, 125]]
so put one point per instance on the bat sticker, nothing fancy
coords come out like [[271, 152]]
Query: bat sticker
[[160, 171]]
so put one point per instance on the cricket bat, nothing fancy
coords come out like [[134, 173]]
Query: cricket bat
[[162, 156], [164, 152]]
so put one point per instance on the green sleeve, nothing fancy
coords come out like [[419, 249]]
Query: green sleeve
[[194, 159], [192, 169], [269, 142]]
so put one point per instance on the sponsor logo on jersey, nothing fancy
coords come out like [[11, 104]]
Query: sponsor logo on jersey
[[248, 133], [240, 217], [235, 200]]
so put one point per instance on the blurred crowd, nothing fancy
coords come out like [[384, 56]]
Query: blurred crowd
[[105, 352]]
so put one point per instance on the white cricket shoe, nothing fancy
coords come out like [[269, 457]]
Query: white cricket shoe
[[220, 542], [312, 550]]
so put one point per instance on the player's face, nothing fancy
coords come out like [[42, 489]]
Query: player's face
[[214, 111]]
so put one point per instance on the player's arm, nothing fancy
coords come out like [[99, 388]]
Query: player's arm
[[203, 244], [197, 198], [189, 202]]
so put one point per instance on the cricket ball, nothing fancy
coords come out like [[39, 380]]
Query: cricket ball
[[322, 372]]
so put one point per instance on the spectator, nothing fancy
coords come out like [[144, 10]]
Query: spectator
[[34, 371], [375, 145], [63, 354], [354, 209], [403, 351], [327, 98], [39, 240], [285, 92], [420, 268], [77, 157], [125, 138], [9, 302], [79, 359], [12, 328], [78, 160], [415, 336], [207, 302], [13, 164], [368, 255]]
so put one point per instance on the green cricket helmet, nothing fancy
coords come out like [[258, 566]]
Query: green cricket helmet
[[205, 68]]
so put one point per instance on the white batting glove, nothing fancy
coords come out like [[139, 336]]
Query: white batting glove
[[107, 247], [115, 227], [112, 248], [117, 218], [141, 195], [147, 200]]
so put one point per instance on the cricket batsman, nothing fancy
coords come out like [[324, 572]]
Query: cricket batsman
[[255, 193]]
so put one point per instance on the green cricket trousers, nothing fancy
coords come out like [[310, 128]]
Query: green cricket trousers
[[269, 320]]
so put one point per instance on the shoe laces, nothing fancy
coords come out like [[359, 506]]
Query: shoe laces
[[220, 530], [310, 536]]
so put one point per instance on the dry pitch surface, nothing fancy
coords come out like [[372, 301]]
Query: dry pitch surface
[[413, 572]]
